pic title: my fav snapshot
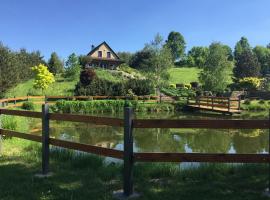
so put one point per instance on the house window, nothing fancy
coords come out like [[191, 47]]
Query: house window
[[100, 54], [108, 54]]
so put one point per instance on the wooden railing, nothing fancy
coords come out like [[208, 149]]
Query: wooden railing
[[129, 123], [225, 104]]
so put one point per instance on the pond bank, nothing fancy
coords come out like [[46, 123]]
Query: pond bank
[[88, 177]]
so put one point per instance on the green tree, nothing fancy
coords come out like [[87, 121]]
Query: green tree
[[241, 46], [247, 65], [72, 67], [216, 74], [125, 56], [43, 78], [159, 63], [140, 60], [263, 55], [55, 65], [176, 43], [197, 56]]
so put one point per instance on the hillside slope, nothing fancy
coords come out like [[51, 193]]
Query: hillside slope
[[184, 74]]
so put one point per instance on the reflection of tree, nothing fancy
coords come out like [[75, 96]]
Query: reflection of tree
[[158, 140], [89, 134], [244, 144], [209, 141]]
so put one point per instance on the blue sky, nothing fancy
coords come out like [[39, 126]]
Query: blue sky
[[72, 26]]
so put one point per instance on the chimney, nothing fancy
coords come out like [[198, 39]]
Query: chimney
[[92, 47]]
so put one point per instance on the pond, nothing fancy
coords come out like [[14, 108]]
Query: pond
[[167, 140]]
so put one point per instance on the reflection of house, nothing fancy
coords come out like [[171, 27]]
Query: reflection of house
[[103, 56]]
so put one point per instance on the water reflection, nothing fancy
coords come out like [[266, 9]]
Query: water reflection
[[166, 140]]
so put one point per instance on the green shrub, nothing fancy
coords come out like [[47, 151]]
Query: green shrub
[[247, 102], [28, 105], [261, 102]]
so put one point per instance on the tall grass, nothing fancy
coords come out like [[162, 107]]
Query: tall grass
[[112, 106]]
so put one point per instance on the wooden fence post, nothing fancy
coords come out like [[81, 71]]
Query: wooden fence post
[[45, 139], [128, 151]]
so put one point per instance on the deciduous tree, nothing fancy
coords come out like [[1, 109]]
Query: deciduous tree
[[43, 78], [176, 43]]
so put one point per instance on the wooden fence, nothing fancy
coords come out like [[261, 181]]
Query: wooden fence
[[129, 123]]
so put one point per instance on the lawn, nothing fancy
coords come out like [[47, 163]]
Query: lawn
[[61, 86], [184, 74], [82, 176]]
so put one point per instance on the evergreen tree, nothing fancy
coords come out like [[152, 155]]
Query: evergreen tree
[[241, 46], [55, 65], [247, 65]]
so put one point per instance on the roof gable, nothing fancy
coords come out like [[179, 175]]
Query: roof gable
[[107, 46]]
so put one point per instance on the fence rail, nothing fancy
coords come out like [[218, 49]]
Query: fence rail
[[129, 123]]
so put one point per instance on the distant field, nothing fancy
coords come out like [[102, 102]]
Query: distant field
[[61, 86], [184, 74]]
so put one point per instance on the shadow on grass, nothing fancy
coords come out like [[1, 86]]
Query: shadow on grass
[[82, 176]]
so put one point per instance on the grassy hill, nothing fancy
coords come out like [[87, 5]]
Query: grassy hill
[[63, 86], [184, 74]]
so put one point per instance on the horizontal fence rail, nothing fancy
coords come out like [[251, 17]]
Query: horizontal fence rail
[[202, 157], [213, 124]]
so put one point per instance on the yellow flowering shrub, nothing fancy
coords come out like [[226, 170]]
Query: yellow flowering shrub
[[43, 77], [250, 82]]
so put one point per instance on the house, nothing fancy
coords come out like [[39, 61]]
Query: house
[[103, 56]]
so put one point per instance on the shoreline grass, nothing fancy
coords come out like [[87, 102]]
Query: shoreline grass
[[84, 176]]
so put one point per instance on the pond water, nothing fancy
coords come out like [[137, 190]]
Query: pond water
[[167, 140]]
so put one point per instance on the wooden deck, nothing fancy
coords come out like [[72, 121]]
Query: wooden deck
[[224, 105]]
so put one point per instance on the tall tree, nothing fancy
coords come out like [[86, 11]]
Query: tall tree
[[247, 65], [241, 46], [216, 74], [176, 43], [263, 55], [72, 67], [55, 65], [159, 62], [125, 56], [140, 60], [197, 56], [268, 46]]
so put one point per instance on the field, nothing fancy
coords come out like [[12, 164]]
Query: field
[[184, 75]]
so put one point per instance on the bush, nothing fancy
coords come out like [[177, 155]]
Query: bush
[[172, 85], [247, 102], [261, 102], [250, 83], [187, 86], [140, 86], [180, 85], [28, 106], [87, 76], [194, 85]]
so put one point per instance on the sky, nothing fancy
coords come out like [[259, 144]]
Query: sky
[[67, 26]]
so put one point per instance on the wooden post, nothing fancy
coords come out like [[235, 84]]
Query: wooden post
[[15, 100], [128, 151], [45, 139]]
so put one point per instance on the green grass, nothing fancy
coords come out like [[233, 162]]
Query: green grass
[[82, 176], [61, 86], [184, 74]]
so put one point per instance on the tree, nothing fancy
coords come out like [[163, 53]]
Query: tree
[[263, 55], [247, 65], [268, 46], [55, 65], [216, 74], [241, 46], [72, 67], [176, 43], [140, 60], [43, 78], [159, 62], [125, 56], [197, 56]]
